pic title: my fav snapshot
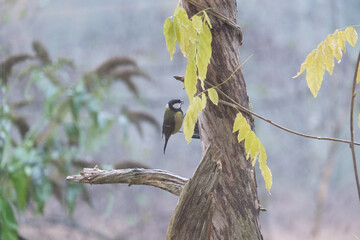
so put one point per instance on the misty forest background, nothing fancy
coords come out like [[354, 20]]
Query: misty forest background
[[279, 34]]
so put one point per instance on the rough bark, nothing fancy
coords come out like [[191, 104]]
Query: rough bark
[[199, 190], [234, 211]]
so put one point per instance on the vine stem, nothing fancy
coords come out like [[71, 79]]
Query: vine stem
[[243, 109], [353, 95]]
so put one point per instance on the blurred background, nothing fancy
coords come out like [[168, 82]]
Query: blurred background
[[86, 82]]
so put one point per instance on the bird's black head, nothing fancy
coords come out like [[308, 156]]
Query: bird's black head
[[175, 104]]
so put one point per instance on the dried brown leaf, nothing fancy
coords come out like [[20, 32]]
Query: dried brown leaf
[[41, 52], [112, 63], [138, 117], [20, 123], [8, 63]]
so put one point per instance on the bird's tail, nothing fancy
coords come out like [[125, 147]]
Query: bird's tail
[[166, 141]]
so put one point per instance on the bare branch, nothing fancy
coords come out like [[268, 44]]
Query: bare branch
[[132, 176], [353, 94]]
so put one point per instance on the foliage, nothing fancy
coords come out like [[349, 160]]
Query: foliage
[[36, 155], [194, 38], [253, 147], [322, 58]]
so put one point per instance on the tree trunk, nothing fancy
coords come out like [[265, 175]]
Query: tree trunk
[[232, 209]]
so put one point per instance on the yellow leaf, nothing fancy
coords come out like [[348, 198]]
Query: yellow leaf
[[181, 15], [351, 36], [197, 104], [189, 122], [186, 34], [237, 122], [203, 53], [340, 40], [190, 79], [266, 173], [249, 141], [265, 170], [203, 101], [170, 36], [305, 64], [334, 46], [255, 148], [207, 19], [197, 23], [213, 95], [244, 129], [315, 73], [328, 57]]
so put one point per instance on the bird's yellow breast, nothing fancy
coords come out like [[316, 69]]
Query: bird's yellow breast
[[178, 121]]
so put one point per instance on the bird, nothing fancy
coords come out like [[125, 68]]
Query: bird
[[173, 119]]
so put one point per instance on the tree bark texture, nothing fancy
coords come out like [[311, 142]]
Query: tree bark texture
[[132, 176], [233, 211]]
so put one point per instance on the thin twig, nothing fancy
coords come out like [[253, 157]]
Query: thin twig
[[243, 109], [352, 125]]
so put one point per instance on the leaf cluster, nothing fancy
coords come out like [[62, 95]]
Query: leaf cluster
[[35, 155], [194, 38], [253, 147], [322, 58]]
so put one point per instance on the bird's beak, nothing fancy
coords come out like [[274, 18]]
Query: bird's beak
[[182, 102]]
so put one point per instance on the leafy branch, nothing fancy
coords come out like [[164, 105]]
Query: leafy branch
[[35, 155], [319, 60]]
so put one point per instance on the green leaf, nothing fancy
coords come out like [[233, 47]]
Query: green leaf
[[8, 223], [73, 190], [41, 185], [170, 35], [21, 182], [213, 95]]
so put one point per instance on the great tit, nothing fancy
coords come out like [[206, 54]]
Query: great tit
[[173, 119]]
